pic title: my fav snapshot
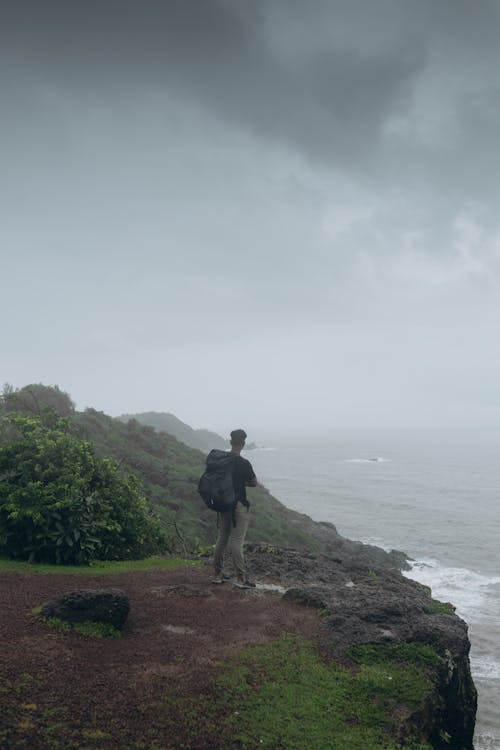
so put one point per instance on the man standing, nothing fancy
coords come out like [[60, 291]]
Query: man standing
[[233, 525]]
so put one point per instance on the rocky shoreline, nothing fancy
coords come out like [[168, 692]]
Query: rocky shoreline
[[353, 553]]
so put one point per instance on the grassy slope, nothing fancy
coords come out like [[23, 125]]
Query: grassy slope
[[284, 696], [169, 472], [99, 567], [279, 696]]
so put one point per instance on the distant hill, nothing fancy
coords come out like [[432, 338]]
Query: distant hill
[[202, 440]]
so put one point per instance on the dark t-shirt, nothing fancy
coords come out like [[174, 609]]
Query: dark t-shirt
[[242, 473]]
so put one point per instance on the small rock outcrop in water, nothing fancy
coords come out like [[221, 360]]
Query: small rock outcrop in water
[[375, 605], [108, 606]]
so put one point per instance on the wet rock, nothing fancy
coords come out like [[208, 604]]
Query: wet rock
[[309, 597], [351, 552], [109, 606]]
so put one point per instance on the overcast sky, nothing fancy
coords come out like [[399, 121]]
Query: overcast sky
[[273, 214]]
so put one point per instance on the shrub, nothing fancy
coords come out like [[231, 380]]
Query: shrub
[[60, 503]]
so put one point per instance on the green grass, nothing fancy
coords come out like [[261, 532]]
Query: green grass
[[89, 628], [97, 568], [416, 654], [277, 696]]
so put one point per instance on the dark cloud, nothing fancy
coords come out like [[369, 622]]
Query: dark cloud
[[312, 182], [323, 78], [329, 102]]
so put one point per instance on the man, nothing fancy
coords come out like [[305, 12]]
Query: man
[[233, 525]]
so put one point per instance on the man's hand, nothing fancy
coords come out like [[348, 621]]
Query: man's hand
[[252, 482]]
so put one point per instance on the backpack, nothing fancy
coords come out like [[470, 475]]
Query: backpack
[[216, 483]]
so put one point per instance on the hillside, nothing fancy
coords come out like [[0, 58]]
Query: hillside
[[203, 440], [168, 472]]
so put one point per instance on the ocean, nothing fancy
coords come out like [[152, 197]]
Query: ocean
[[436, 497]]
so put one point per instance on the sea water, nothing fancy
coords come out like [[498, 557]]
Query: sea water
[[434, 496]]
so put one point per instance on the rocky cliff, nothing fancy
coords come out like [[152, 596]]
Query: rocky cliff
[[377, 605]]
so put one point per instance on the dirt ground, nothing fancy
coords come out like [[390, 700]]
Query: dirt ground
[[64, 690]]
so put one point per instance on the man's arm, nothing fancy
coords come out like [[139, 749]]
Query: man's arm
[[250, 478]]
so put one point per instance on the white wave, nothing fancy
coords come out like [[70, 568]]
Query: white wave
[[464, 588], [375, 459], [487, 742], [259, 449], [485, 668]]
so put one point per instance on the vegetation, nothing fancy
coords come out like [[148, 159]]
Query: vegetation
[[436, 607], [60, 503], [109, 567], [277, 696], [419, 654], [36, 399], [283, 696], [167, 473], [88, 628]]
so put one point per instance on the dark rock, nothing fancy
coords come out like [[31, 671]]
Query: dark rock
[[309, 597], [109, 606], [366, 555]]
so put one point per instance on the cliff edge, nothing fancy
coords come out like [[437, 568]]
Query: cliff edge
[[378, 606]]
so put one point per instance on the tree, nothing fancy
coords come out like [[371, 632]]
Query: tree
[[60, 503], [36, 399]]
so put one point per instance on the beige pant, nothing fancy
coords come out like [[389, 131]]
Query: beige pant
[[232, 538]]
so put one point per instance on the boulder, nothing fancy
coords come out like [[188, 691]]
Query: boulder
[[109, 606]]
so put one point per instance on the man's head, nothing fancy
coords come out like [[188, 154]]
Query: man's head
[[238, 438]]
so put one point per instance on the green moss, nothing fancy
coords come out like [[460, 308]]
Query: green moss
[[88, 628], [275, 696], [94, 734], [97, 568], [436, 607], [419, 654]]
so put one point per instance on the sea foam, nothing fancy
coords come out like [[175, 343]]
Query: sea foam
[[464, 588]]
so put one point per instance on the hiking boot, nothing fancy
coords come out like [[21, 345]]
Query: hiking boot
[[220, 578]]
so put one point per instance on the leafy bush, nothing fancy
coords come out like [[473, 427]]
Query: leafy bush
[[60, 503]]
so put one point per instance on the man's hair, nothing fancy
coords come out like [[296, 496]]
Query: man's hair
[[238, 437]]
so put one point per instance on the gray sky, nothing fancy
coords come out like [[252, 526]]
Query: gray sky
[[268, 213]]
